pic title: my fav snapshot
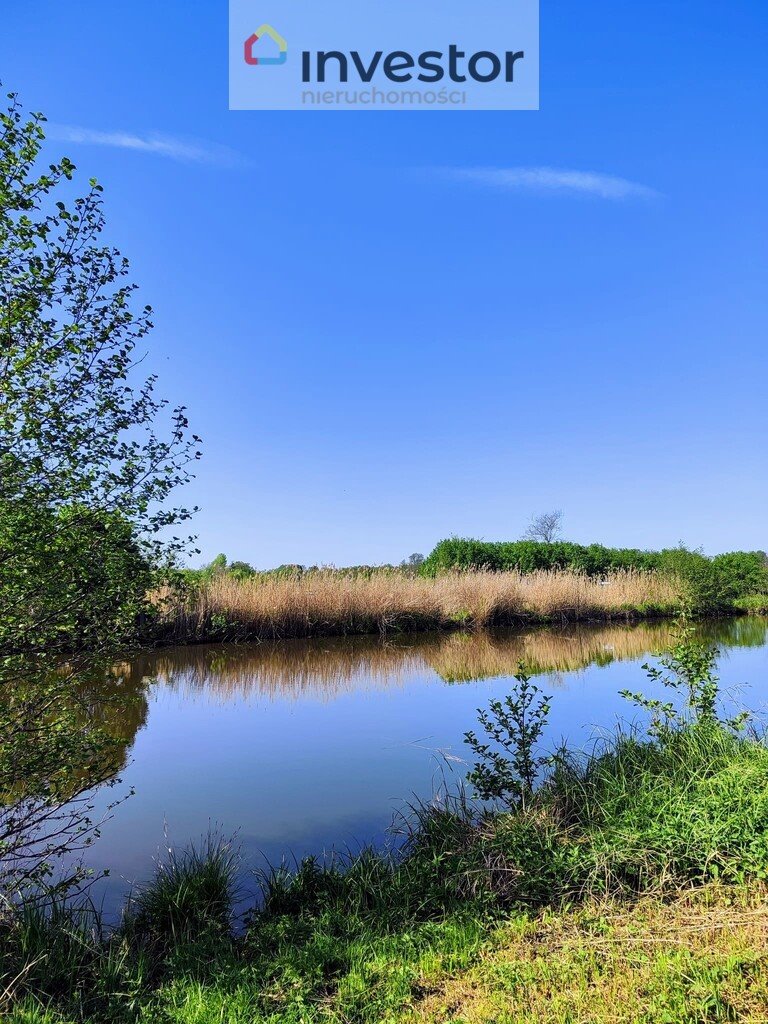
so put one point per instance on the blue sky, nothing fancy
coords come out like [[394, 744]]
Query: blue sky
[[392, 327]]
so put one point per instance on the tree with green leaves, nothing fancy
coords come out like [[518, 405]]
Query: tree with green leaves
[[89, 458]]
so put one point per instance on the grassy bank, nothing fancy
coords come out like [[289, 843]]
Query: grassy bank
[[326, 603], [700, 957], [752, 604], [627, 885]]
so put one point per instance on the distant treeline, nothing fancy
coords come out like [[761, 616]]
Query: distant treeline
[[241, 571], [713, 582]]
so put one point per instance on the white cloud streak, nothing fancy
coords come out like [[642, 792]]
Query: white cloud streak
[[549, 180], [185, 151]]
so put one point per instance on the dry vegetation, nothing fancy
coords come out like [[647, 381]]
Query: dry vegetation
[[328, 603]]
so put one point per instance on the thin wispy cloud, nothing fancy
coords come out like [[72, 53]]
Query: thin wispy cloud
[[184, 150], [550, 180]]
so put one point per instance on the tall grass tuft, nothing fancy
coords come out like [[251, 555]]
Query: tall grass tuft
[[190, 898], [58, 953]]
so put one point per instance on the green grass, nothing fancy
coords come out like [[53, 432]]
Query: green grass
[[698, 959], [192, 894], [753, 604]]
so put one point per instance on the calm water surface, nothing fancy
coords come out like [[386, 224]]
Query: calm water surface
[[305, 746]]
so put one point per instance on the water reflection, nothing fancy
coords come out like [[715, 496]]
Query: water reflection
[[326, 668], [119, 707]]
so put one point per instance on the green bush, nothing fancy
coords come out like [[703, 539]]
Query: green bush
[[530, 555], [757, 604], [741, 573]]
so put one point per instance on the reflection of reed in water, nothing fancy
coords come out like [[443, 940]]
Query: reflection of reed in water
[[463, 657], [326, 668], [289, 668]]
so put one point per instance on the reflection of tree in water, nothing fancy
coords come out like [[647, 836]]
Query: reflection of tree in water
[[744, 631], [290, 668], [326, 668], [117, 705], [48, 802], [112, 706]]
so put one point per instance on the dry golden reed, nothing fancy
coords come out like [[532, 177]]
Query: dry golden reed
[[326, 603]]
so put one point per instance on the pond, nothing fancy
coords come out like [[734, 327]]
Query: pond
[[301, 747]]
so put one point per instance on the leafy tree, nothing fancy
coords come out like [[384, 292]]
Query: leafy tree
[[413, 561], [241, 570], [88, 459], [741, 573], [217, 567]]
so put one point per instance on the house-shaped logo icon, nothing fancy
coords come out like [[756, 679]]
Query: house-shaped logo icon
[[250, 43]]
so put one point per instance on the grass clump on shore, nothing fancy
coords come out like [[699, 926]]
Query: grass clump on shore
[[752, 604], [443, 930]]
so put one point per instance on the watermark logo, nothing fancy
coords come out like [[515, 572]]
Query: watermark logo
[[252, 58], [395, 56]]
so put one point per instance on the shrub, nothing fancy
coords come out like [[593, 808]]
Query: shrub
[[529, 555], [514, 725], [741, 573]]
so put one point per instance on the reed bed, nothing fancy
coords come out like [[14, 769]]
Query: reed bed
[[327, 603]]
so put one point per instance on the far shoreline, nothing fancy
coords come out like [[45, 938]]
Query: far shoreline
[[329, 603]]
